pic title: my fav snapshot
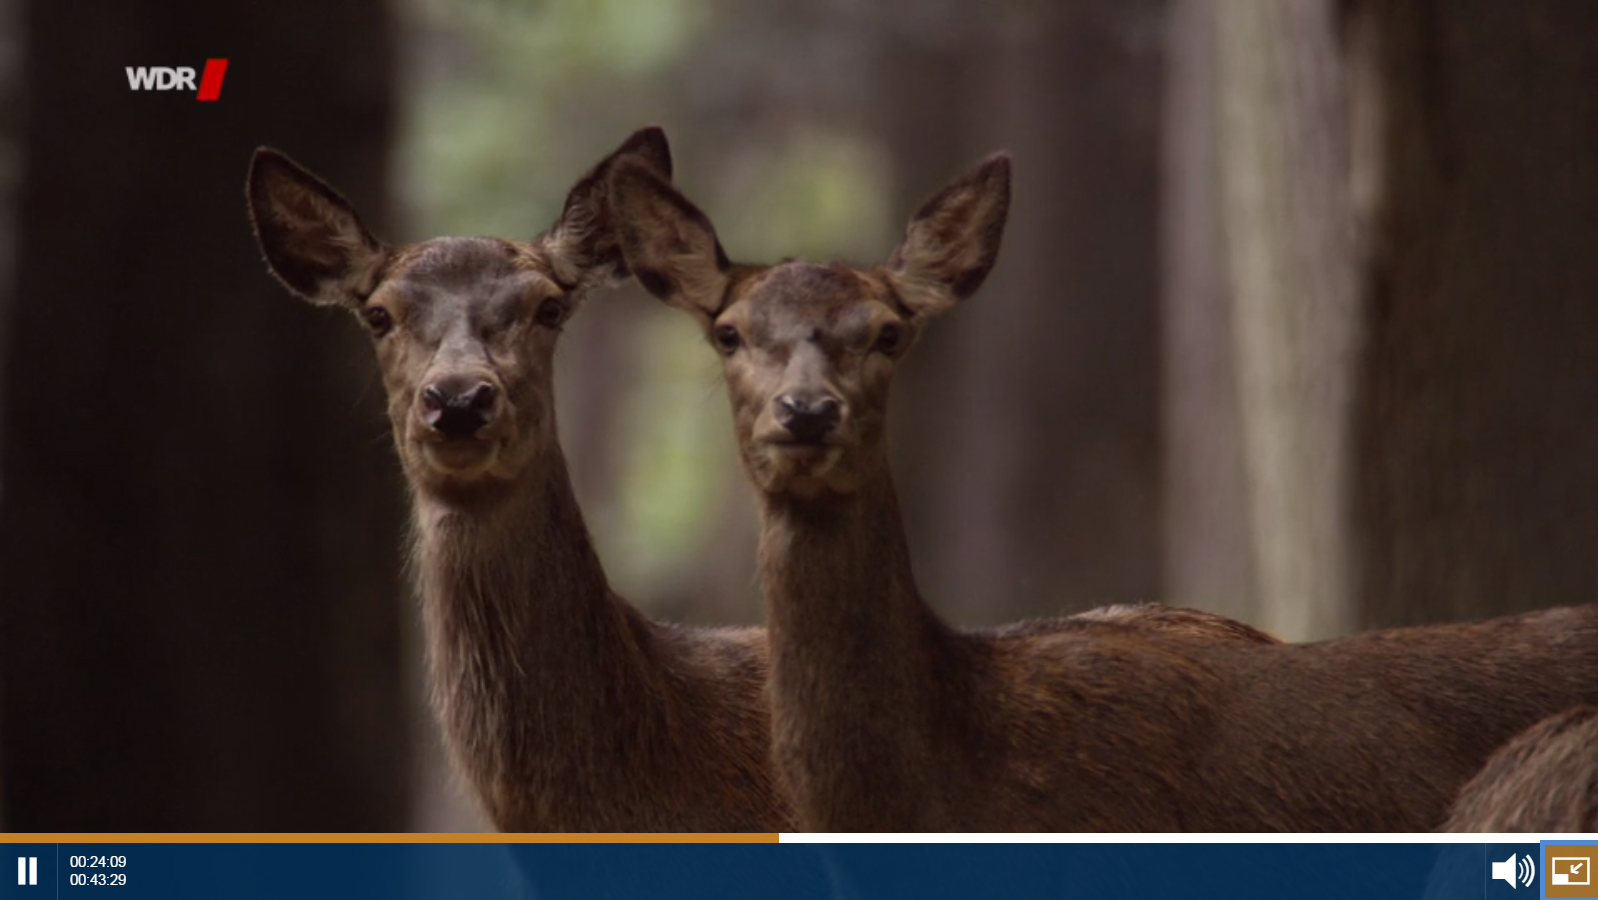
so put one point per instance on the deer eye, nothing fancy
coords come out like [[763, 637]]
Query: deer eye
[[551, 313], [378, 319], [889, 339], [726, 338]]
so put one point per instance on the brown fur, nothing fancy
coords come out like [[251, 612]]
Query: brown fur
[[565, 708], [885, 718], [1545, 780], [1177, 621]]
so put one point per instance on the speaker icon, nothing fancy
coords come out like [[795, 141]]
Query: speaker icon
[[1516, 869]]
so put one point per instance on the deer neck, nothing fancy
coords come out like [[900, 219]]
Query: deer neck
[[839, 559], [530, 652], [866, 679]]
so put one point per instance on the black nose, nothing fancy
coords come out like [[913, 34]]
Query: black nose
[[458, 411], [808, 419]]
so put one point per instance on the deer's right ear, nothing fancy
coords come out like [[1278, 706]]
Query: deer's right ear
[[669, 245], [313, 241], [952, 242]]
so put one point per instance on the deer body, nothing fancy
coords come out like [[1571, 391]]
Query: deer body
[[1081, 725], [886, 718], [565, 708]]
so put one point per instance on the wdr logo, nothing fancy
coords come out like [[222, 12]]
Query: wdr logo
[[163, 78]]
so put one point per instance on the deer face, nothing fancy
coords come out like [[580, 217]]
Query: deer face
[[808, 349], [464, 328], [808, 353], [465, 333]]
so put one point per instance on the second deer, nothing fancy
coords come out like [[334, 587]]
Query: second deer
[[1545, 780], [887, 718]]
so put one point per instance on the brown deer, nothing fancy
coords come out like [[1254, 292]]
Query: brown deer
[[886, 718], [565, 708], [1545, 780]]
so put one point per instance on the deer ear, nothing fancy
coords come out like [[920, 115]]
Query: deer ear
[[669, 245], [582, 243], [952, 242], [313, 240]]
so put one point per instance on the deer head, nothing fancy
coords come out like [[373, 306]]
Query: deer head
[[464, 328], [809, 349]]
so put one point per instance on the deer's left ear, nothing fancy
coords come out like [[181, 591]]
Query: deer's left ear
[[952, 242], [313, 240], [582, 244]]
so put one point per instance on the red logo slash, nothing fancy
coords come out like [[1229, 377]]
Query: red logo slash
[[211, 79]]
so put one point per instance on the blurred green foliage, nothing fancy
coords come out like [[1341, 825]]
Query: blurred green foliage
[[676, 432], [506, 102]]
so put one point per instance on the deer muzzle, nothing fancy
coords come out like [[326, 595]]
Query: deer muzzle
[[459, 407], [809, 417]]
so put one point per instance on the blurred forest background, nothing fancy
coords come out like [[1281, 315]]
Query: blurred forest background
[[1295, 321]]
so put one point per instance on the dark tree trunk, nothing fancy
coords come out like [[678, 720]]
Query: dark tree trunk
[[1414, 438], [200, 626], [1477, 487]]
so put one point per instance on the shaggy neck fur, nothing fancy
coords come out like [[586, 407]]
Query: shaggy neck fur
[[567, 709], [868, 686]]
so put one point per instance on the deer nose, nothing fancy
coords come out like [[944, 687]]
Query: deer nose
[[808, 418], [458, 409]]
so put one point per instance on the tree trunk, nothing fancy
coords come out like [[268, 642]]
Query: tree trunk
[[1408, 197], [1291, 257], [1477, 490], [201, 611], [1209, 556]]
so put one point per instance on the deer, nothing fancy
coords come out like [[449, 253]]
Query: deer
[[885, 717], [1545, 780], [565, 708]]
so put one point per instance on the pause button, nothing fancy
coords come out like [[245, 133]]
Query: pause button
[[27, 870]]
